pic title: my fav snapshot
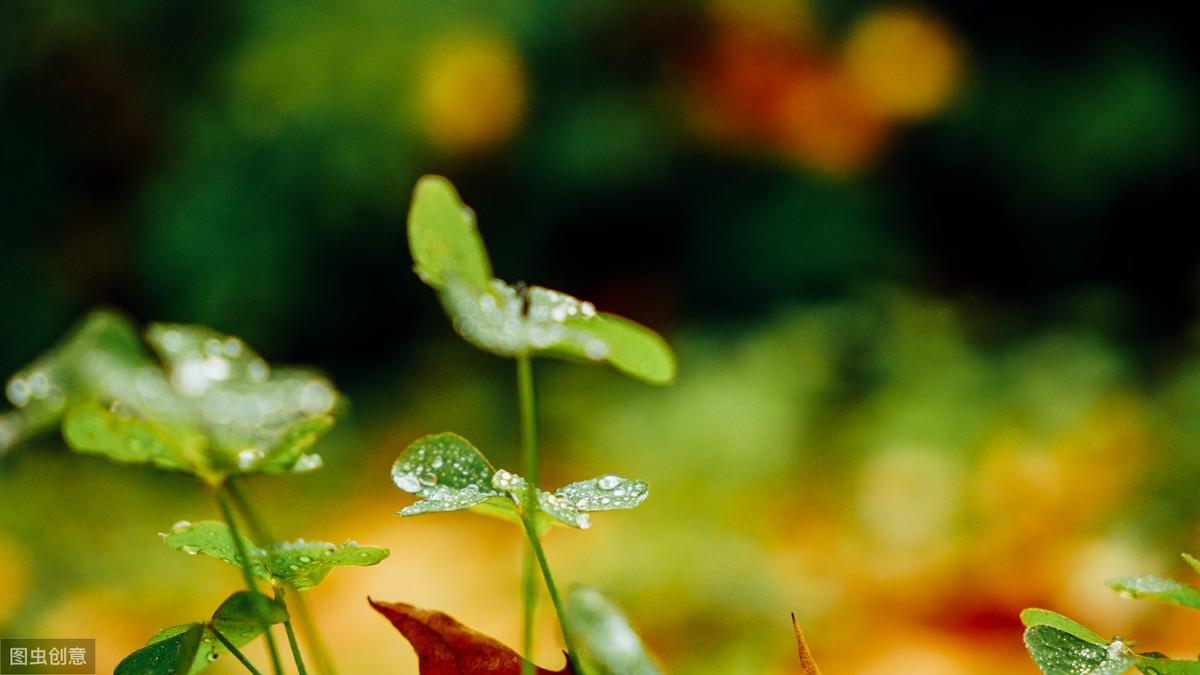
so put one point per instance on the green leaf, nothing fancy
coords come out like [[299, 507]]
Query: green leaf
[[1193, 562], [450, 474], [93, 429], [1044, 617], [539, 321], [606, 641], [213, 539], [606, 493], [496, 317], [165, 654], [633, 348], [446, 472], [300, 564], [238, 620], [257, 419], [1157, 588], [99, 358], [1057, 652], [1158, 665], [443, 238]]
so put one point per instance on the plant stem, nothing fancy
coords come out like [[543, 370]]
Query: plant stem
[[529, 445], [248, 575], [291, 634], [237, 654], [536, 544], [529, 596], [299, 607]]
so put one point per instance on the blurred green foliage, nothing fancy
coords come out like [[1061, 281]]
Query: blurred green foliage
[[891, 378]]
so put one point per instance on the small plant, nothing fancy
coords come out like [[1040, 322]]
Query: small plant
[[520, 322], [211, 408], [1062, 646]]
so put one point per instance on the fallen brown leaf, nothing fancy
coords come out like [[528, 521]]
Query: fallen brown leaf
[[446, 647], [808, 666]]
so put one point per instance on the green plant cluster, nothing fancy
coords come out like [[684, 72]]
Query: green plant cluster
[[192, 400], [1062, 646]]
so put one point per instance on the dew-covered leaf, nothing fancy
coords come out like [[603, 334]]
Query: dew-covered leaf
[[450, 256], [121, 436], [443, 237], [571, 503], [304, 564], [300, 564], [631, 348], [446, 647], [502, 320], [213, 539], [607, 644], [446, 472], [171, 654], [606, 493], [1057, 652], [808, 665], [257, 419], [1044, 617], [1157, 588], [101, 357]]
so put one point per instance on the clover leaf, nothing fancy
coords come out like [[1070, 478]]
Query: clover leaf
[[1062, 646], [299, 564], [213, 408], [191, 647], [100, 358], [1057, 652], [449, 256], [448, 473], [1157, 588]]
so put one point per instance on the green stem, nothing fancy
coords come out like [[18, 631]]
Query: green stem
[[237, 654], [529, 595], [529, 512], [299, 607], [291, 634], [248, 575]]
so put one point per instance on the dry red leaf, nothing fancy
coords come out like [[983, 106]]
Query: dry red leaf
[[446, 647]]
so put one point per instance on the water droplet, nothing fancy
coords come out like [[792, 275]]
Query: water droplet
[[18, 392], [307, 462], [249, 458], [608, 482], [316, 398], [305, 559], [1116, 648], [437, 462], [583, 520], [232, 347], [216, 368], [181, 525], [408, 483]]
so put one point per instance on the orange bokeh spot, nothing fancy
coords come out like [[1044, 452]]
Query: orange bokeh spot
[[907, 63], [471, 93]]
